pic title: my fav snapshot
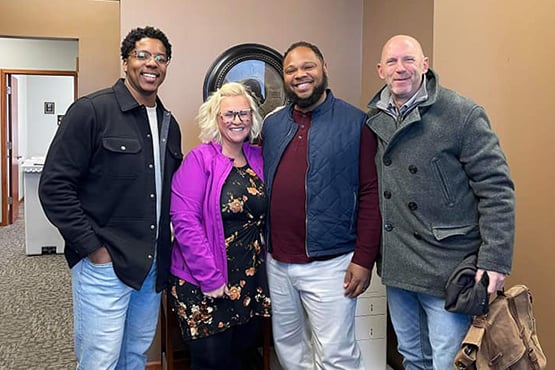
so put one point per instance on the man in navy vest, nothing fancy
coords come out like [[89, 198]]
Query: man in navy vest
[[324, 222]]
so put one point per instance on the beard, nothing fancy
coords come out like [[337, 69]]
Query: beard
[[312, 99]]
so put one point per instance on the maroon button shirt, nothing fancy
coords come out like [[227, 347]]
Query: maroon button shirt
[[288, 201]]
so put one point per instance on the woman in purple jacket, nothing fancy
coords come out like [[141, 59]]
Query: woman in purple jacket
[[218, 286]]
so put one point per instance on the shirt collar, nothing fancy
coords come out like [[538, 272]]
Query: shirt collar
[[386, 100]]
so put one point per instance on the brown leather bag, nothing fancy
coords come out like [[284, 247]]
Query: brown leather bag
[[504, 338]]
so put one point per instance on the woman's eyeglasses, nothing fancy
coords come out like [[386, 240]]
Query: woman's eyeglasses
[[229, 116]]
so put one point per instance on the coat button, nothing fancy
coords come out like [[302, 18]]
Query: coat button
[[387, 161], [417, 236], [388, 227], [387, 194], [413, 206], [413, 169]]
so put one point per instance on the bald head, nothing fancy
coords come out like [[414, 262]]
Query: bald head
[[401, 67], [408, 42]]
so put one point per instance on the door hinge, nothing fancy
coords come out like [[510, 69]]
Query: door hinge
[[9, 90], [10, 200], [9, 145]]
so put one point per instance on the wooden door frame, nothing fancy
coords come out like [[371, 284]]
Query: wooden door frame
[[4, 74], [13, 160]]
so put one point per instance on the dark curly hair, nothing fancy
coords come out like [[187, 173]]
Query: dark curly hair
[[137, 34], [305, 44]]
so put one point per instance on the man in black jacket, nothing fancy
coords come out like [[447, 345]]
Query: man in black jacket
[[106, 187]]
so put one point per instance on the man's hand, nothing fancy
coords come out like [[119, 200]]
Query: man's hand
[[496, 280], [357, 280], [100, 256]]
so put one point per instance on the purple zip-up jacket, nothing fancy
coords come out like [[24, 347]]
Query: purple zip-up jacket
[[198, 253]]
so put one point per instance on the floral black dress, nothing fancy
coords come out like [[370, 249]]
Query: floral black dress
[[243, 207]]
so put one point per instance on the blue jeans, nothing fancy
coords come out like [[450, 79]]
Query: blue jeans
[[114, 324], [313, 323], [428, 336]]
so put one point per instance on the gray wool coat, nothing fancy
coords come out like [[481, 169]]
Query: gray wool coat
[[445, 190]]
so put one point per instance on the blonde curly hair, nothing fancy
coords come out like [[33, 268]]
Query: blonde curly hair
[[207, 117]]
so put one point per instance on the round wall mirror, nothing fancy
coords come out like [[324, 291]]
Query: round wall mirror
[[257, 66]]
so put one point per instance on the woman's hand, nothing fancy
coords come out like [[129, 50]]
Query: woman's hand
[[218, 293]]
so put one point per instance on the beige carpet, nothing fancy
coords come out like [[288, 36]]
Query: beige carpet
[[36, 320], [36, 327]]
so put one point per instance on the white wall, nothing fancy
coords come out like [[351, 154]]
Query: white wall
[[36, 54], [41, 127], [42, 54], [22, 126], [35, 128]]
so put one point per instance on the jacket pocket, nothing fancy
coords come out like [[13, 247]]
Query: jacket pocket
[[122, 156], [121, 145], [443, 182], [444, 232]]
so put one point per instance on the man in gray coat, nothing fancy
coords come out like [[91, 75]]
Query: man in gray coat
[[445, 194]]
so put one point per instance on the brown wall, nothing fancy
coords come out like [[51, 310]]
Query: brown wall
[[383, 19], [201, 30], [502, 58], [94, 23], [499, 56]]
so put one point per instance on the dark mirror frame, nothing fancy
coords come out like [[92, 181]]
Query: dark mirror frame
[[217, 74]]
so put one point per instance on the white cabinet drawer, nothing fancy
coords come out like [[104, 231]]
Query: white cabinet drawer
[[370, 327], [374, 353], [370, 306]]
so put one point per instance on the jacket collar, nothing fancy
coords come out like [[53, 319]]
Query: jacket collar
[[217, 147], [432, 88], [125, 100], [387, 132]]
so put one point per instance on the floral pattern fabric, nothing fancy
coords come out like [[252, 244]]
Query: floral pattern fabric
[[243, 207]]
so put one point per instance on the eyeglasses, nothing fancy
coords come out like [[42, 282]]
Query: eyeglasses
[[229, 116], [145, 56]]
